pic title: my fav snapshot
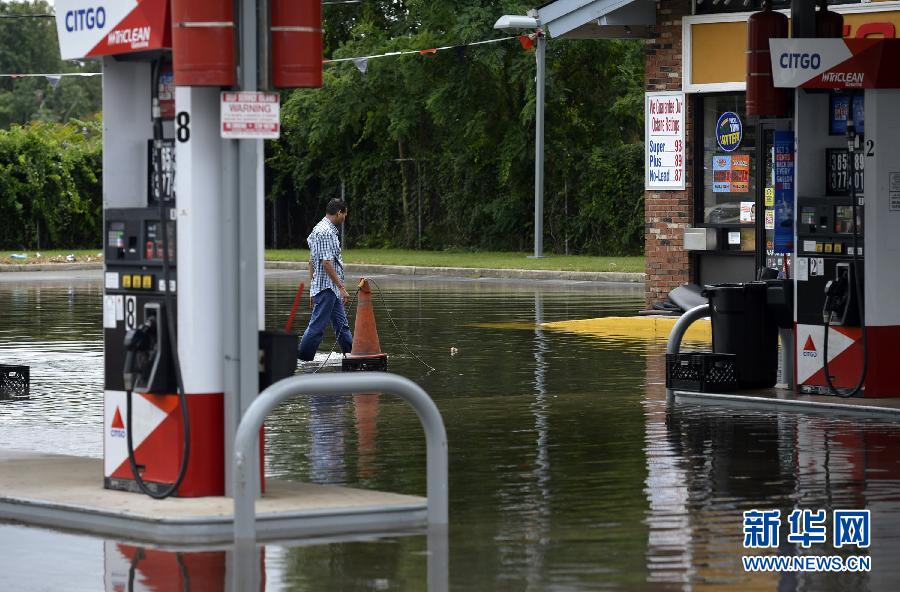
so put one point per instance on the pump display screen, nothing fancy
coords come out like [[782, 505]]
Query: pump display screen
[[843, 219], [115, 235], [837, 171], [153, 245], [808, 217]]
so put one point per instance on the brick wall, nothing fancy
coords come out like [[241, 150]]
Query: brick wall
[[668, 213]]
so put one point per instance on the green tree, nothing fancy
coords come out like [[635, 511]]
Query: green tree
[[460, 124], [50, 186], [29, 45]]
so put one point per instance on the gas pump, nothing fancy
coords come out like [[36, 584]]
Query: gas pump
[[180, 242], [847, 279], [142, 352], [830, 251]]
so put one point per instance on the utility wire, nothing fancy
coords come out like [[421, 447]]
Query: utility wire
[[397, 329], [18, 16], [32, 75]]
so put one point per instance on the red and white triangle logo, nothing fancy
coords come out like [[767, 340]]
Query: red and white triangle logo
[[809, 346], [117, 423]]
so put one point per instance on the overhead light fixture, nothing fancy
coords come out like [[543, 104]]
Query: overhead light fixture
[[515, 21]]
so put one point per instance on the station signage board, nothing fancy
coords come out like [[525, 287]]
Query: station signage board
[[664, 158], [835, 63], [93, 28], [250, 115]]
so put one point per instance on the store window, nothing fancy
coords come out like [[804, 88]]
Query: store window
[[727, 194]]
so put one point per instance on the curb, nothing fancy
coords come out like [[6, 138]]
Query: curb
[[468, 272], [404, 270], [50, 266]]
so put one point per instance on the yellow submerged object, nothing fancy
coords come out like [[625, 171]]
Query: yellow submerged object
[[633, 328]]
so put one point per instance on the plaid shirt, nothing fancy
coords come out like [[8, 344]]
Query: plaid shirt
[[324, 243]]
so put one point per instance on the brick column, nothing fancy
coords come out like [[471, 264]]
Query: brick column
[[668, 213]]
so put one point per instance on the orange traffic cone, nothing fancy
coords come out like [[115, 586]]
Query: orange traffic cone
[[366, 352]]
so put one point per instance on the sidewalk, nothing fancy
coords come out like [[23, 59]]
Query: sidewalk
[[401, 270]]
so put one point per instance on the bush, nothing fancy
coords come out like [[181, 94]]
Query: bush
[[50, 185]]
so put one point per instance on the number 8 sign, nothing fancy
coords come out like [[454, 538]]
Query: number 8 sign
[[130, 312]]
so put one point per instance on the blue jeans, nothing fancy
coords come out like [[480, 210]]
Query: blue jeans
[[326, 306]]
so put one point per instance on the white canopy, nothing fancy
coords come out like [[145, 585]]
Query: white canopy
[[598, 19]]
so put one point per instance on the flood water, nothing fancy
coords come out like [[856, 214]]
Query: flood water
[[569, 470]]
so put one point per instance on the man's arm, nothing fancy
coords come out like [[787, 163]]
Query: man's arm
[[329, 269]]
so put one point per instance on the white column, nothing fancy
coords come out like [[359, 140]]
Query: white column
[[198, 186]]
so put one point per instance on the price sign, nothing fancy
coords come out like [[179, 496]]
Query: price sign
[[837, 171], [664, 134], [163, 161]]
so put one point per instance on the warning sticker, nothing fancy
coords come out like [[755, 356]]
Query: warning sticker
[[250, 115]]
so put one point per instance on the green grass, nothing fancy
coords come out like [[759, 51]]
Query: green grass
[[482, 260], [52, 256]]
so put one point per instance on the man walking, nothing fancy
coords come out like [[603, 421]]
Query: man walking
[[326, 270]]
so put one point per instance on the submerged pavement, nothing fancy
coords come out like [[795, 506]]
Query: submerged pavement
[[94, 271]]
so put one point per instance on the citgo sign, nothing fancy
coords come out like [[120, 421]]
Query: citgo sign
[[90, 28]]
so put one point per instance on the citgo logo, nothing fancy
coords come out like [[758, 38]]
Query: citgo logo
[[809, 348], [117, 429], [84, 19], [729, 131], [803, 61]]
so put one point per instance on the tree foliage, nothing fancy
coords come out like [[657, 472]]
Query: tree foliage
[[29, 46], [446, 139], [50, 186], [459, 127]]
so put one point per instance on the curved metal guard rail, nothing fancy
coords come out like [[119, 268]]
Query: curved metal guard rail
[[681, 327], [246, 469]]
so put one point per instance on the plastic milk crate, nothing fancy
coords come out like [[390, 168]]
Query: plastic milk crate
[[14, 381], [701, 371]]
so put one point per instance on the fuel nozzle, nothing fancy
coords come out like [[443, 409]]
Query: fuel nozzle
[[835, 294], [136, 340]]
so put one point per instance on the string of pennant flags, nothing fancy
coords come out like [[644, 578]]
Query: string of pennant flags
[[53, 79], [361, 62]]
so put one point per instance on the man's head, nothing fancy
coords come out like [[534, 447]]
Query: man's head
[[336, 211]]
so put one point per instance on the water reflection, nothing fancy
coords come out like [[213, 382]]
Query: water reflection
[[55, 329], [569, 468], [327, 437], [129, 567], [734, 462], [538, 529], [366, 412]]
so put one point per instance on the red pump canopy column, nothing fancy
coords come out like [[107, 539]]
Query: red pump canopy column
[[296, 43], [203, 42]]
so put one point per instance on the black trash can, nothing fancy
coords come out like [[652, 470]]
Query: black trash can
[[742, 324]]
